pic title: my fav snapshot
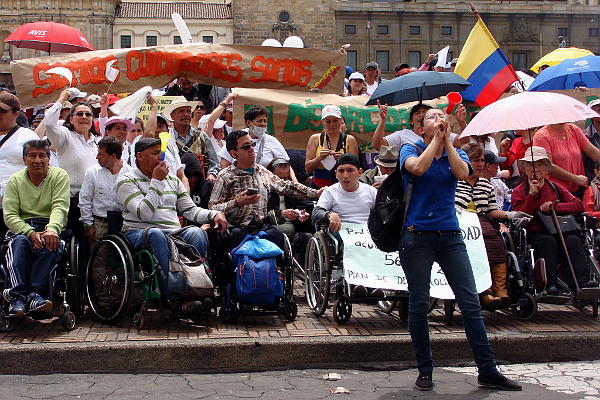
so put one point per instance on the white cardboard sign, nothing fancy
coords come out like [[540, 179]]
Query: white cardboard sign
[[366, 265]]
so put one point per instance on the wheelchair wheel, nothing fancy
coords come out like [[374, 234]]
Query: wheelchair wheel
[[109, 278], [6, 324], [387, 306], [342, 311], [290, 311], [318, 274], [289, 270], [74, 283], [68, 321], [525, 308]]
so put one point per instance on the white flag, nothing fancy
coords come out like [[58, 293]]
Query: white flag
[[129, 106], [112, 72], [442, 56], [62, 71]]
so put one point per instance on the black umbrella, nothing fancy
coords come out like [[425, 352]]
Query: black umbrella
[[417, 86]]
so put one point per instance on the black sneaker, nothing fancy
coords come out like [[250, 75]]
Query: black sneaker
[[17, 308], [424, 382], [498, 381]]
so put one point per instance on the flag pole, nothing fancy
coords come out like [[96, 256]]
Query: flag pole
[[474, 10]]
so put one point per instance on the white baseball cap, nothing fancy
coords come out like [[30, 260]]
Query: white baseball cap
[[331, 111], [356, 75]]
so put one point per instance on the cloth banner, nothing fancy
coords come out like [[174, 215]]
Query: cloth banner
[[214, 64], [294, 116], [366, 265]]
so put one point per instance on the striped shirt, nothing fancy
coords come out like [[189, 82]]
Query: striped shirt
[[150, 203], [482, 194]]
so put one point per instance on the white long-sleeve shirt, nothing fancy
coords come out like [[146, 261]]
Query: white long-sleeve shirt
[[11, 155], [97, 195], [75, 154], [152, 203]]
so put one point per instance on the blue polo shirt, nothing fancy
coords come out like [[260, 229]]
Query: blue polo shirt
[[431, 205]]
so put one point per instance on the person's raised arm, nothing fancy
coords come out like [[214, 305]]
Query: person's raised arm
[[54, 130], [378, 139], [151, 123], [217, 112]]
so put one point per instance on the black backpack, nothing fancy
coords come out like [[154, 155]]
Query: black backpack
[[387, 216]]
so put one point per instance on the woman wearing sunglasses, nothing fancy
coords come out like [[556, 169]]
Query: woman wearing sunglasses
[[75, 142], [198, 113]]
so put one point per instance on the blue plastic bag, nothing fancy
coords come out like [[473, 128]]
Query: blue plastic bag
[[256, 247]]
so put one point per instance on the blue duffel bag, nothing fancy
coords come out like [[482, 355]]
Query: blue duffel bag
[[257, 280]]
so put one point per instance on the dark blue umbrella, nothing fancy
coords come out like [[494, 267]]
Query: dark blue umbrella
[[569, 74], [417, 86]]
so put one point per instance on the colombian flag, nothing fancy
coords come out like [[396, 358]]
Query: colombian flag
[[482, 63]]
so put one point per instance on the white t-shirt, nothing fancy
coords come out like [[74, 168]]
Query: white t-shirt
[[11, 155], [489, 144], [352, 207], [272, 149], [371, 88], [404, 136]]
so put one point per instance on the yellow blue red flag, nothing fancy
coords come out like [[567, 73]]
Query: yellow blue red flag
[[482, 63]]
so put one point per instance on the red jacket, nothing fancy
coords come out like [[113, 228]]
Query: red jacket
[[588, 203], [523, 201]]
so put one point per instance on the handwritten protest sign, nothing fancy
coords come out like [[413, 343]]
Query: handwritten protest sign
[[162, 101], [366, 265], [213, 64], [294, 116]]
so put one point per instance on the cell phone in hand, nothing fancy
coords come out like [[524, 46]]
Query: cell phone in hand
[[251, 191]]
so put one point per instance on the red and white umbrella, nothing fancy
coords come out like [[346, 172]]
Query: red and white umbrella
[[49, 37]]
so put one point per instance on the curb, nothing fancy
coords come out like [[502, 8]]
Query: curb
[[279, 354]]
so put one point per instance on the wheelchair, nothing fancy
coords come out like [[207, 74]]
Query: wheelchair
[[324, 277], [123, 281], [527, 275], [64, 286], [225, 281]]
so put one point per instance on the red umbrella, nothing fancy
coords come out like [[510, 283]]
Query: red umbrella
[[49, 37]]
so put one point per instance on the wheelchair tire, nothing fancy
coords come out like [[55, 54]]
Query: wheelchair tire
[[6, 324], [342, 311], [108, 287], [526, 307], [230, 315], [138, 320], [318, 274], [74, 282], [289, 270], [290, 311], [68, 321]]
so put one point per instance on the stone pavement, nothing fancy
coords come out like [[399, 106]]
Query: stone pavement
[[267, 341], [562, 381]]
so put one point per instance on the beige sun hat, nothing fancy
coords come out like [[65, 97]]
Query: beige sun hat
[[178, 102], [535, 153], [388, 156]]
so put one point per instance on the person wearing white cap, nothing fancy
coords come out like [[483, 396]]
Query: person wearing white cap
[[537, 194], [323, 149], [216, 134], [188, 138], [356, 84]]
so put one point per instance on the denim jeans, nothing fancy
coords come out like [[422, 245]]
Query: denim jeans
[[29, 268], [157, 244], [418, 251]]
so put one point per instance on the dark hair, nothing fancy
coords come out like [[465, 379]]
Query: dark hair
[[347, 158], [362, 91], [473, 150], [72, 111], [140, 122], [416, 108], [111, 146], [254, 111], [36, 144], [232, 138]]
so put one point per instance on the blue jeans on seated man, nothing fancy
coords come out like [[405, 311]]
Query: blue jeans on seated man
[[29, 269], [157, 244], [418, 251]]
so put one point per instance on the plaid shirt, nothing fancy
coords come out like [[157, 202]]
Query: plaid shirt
[[232, 181]]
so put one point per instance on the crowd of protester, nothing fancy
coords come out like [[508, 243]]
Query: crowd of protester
[[212, 173]]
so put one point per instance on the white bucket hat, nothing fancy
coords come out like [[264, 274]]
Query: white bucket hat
[[178, 103]]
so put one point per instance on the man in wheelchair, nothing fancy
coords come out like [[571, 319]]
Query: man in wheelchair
[[346, 201], [36, 204], [151, 198], [242, 192]]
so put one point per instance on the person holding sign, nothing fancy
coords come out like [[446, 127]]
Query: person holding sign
[[323, 149], [431, 234], [476, 194]]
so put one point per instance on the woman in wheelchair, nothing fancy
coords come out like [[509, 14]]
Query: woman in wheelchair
[[476, 194], [537, 195]]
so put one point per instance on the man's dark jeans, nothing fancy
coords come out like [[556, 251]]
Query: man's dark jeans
[[418, 251]]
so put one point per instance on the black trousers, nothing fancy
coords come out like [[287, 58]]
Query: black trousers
[[550, 249]]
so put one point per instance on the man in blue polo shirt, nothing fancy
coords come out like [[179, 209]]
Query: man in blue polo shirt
[[431, 234]]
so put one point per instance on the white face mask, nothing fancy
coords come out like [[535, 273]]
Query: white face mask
[[259, 131]]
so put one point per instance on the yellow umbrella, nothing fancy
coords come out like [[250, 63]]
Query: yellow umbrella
[[558, 55]]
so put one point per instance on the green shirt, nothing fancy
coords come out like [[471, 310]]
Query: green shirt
[[24, 200]]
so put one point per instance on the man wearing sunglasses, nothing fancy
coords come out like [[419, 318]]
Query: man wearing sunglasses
[[242, 191]]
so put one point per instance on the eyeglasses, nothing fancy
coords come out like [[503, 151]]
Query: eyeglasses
[[247, 146], [434, 116], [200, 108], [83, 114]]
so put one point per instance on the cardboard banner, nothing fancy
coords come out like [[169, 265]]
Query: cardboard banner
[[213, 64], [162, 101], [294, 116], [366, 265]]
